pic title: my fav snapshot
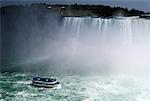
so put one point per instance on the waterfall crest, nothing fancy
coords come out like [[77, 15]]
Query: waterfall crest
[[126, 30]]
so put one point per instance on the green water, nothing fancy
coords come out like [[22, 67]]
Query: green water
[[16, 87]]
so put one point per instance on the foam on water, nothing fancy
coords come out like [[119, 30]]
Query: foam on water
[[78, 87]]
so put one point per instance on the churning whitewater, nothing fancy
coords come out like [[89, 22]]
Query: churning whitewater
[[16, 87]]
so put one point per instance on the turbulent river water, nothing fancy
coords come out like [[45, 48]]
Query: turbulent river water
[[16, 87]]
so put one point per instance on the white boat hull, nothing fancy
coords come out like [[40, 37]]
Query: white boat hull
[[45, 85]]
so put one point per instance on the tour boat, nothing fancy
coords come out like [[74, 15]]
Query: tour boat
[[44, 82]]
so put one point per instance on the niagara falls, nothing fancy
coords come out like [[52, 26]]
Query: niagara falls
[[92, 50]]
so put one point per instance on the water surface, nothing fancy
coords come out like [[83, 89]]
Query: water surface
[[16, 87]]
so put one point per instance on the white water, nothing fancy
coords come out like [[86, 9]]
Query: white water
[[126, 30], [109, 44], [75, 88]]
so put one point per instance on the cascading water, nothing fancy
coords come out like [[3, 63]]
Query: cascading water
[[115, 43], [126, 30]]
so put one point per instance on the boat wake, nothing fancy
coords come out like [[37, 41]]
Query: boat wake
[[77, 87]]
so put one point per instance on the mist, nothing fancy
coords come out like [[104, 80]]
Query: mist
[[36, 40]]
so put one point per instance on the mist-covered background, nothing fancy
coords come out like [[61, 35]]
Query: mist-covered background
[[35, 39], [25, 34]]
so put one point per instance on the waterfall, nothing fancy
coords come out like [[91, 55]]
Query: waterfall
[[125, 30], [114, 44]]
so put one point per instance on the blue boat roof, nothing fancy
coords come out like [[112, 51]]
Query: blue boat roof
[[44, 79]]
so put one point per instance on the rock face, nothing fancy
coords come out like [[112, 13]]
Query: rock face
[[146, 16], [82, 10], [94, 10]]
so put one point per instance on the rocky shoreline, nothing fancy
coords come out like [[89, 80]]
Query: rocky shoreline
[[82, 10]]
